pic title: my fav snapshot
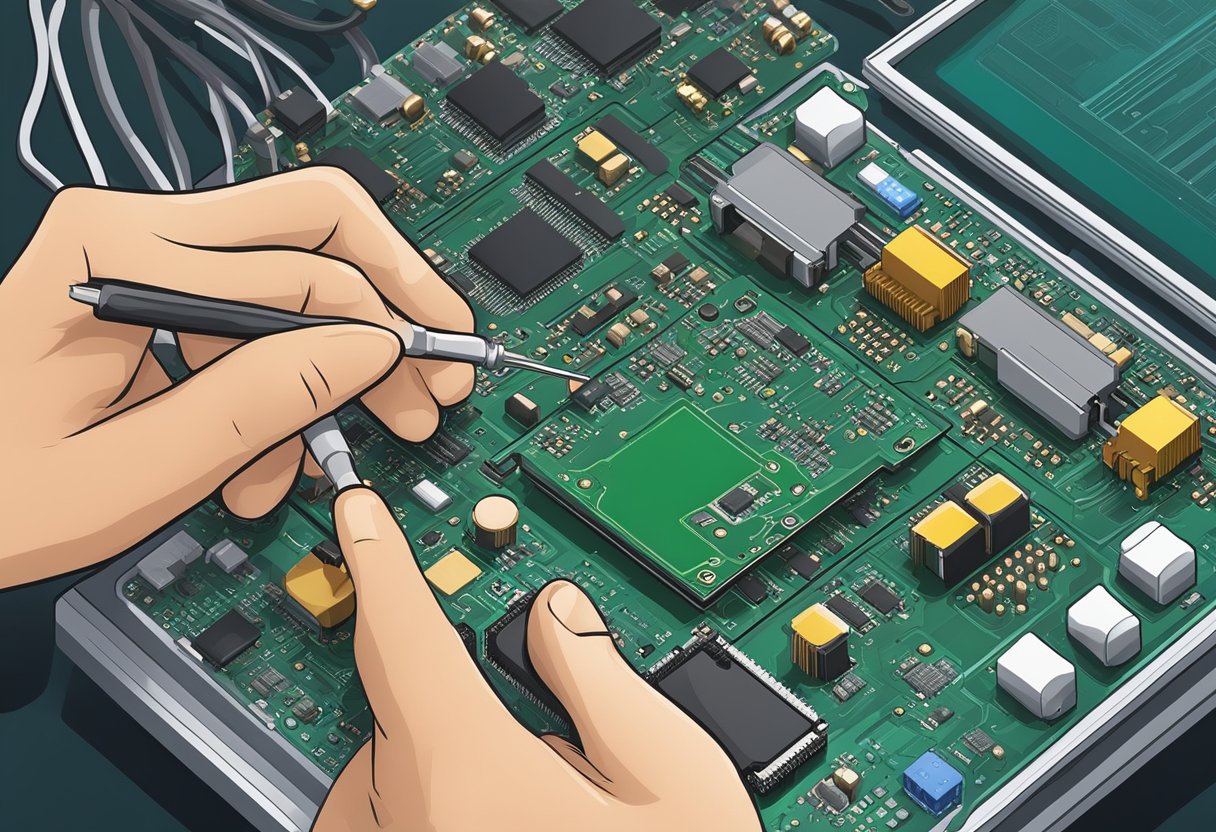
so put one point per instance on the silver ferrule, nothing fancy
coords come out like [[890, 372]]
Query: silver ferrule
[[330, 449], [85, 294]]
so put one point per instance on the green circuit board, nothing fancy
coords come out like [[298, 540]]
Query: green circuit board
[[839, 444]]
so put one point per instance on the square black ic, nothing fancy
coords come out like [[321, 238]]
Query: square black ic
[[226, 639], [499, 101], [297, 112], [531, 14], [717, 72], [613, 34], [524, 252]]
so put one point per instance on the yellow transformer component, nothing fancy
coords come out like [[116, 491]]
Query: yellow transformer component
[[596, 147], [949, 542], [919, 279], [820, 642], [324, 592], [1151, 442], [613, 168]]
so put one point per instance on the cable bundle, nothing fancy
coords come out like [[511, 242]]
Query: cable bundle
[[235, 31]]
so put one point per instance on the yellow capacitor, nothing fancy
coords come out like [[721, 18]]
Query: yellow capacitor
[[596, 147], [1152, 442], [919, 279], [949, 542], [613, 168], [325, 592], [820, 642]]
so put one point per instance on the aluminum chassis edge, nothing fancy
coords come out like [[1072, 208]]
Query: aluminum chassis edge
[[880, 69], [278, 789]]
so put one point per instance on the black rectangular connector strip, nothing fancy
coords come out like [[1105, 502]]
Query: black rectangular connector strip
[[586, 205]]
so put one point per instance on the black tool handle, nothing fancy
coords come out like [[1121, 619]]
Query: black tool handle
[[127, 303]]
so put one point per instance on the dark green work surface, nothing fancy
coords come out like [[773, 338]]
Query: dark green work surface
[[73, 759]]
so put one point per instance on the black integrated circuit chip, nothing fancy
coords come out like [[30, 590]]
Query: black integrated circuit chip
[[226, 639], [762, 726], [525, 252], [531, 14], [680, 195], [753, 588], [736, 501], [854, 615], [298, 112], [379, 183], [507, 649], [590, 394], [613, 34], [445, 449], [500, 102], [717, 72], [674, 7], [793, 341], [879, 596]]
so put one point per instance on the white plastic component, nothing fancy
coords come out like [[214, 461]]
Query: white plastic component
[[227, 556], [872, 176], [1157, 562], [827, 128], [1038, 677], [432, 496], [1106, 627]]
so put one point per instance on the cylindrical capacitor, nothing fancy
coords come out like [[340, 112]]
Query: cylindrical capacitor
[[494, 521]]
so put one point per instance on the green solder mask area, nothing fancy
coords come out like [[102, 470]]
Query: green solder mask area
[[718, 441], [658, 519]]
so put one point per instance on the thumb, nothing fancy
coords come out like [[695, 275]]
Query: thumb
[[633, 735], [185, 442]]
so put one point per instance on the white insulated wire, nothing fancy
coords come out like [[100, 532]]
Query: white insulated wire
[[59, 73], [153, 175], [25, 147]]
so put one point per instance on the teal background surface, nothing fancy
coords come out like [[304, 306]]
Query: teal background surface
[[72, 759]]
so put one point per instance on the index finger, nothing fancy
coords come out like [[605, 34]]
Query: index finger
[[414, 667], [317, 208]]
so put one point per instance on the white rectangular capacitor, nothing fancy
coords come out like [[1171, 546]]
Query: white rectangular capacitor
[[1038, 677], [431, 495], [1106, 627]]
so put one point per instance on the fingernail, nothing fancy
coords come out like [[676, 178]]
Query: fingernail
[[574, 610], [359, 511]]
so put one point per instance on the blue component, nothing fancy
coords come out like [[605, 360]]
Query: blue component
[[898, 196], [933, 783]]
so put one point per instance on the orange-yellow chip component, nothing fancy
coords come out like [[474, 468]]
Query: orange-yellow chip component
[[1152, 441], [323, 591], [919, 279], [452, 572]]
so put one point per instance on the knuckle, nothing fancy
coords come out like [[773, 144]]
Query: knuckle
[[335, 183], [338, 286]]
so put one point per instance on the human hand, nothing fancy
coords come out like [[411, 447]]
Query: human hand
[[445, 754], [100, 449]]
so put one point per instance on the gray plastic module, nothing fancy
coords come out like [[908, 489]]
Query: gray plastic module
[[783, 215], [227, 556], [380, 97], [1041, 361], [437, 63], [166, 563]]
